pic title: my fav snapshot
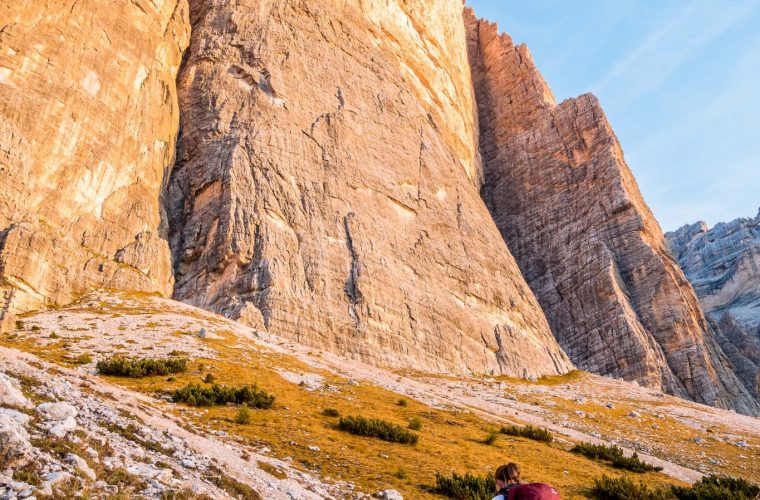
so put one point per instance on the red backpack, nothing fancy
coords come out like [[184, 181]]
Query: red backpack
[[533, 491]]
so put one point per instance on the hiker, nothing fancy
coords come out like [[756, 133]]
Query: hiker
[[510, 487]]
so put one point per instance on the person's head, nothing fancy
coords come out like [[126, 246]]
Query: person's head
[[507, 474]]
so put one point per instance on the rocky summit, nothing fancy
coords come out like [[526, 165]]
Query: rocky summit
[[391, 181], [558, 187], [723, 265]]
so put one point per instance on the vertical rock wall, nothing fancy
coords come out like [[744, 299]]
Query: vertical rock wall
[[326, 187], [559, 189], [88, 121]]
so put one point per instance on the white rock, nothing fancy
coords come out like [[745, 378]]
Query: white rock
[[10, 393], [388, 495], [634, 414], [15, 448], [165, 476], [53, 478], [57, 411], [63, 427], [81, 466], [314, 448]]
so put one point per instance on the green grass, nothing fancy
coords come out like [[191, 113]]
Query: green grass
[[219, 395], [381, 429], [528, 431], [144, 367], [466, 487]]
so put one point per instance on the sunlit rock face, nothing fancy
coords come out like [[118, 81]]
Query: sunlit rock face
[[559, 189], [326, 187], [723, 265], [88, 121]]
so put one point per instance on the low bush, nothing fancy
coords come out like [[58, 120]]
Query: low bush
[[708, 488], [402, 402], [209, 378], [373, 427], [144, 367], [614, 454], [330, 412], [528, 431], [243, 415], [219, 395], [466, 487], [415, 424], [491, 438], [622, 488], [715, 487]]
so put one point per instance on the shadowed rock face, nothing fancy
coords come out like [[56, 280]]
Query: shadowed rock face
[[569, 208], [325, 187], [88, 120], [723, 265]]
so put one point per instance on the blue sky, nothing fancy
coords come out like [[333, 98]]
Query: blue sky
[[679, 81]]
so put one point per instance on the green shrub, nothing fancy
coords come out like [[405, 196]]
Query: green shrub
[[330, 412], [715, 487], [402, 473], [491, 438], [209, 379], [528, 431], [402, 402], [144, 367], [53, 336], [243, 415], [218, 395], [466, 487], [622, 488], [614, 454], [373, 427], [415, 424], [708, 488]]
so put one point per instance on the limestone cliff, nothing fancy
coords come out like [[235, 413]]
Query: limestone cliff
[[88, 121], [325, 187], [559, 189], [723, 265]]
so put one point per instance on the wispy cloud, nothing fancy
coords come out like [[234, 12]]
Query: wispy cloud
[[668, 47]]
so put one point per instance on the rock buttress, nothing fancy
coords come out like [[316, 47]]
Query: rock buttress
[[326, 187], [88, 121], [559, 189]]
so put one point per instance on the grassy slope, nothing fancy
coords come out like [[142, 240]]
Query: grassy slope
[[450, 440]]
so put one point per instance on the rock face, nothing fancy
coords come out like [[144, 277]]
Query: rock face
[[326, 187], [569, 208], [88, 121], [723, 265]]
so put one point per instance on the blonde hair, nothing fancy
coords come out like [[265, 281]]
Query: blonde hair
[[509, 473]]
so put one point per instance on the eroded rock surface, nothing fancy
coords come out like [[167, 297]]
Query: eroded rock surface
[[326, 187], [723, 265], [569, 208], [88, 121]]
